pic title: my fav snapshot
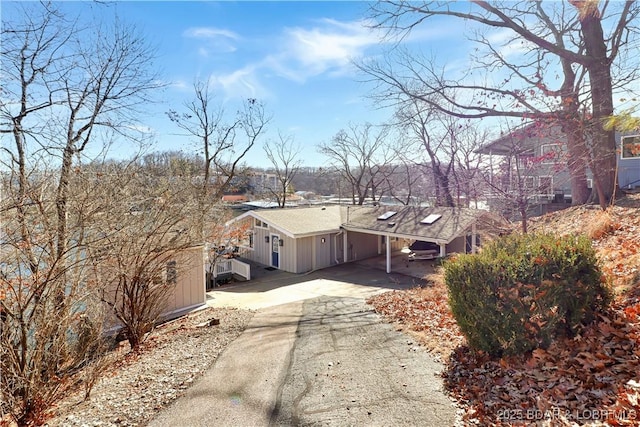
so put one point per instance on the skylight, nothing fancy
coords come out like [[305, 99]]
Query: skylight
[[431, 219], [385, 216]]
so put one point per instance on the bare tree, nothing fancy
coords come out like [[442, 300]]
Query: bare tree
[[67, 86], [436, 133], [283, 155], [224, 142], [359, 153], [470, 186], [144, 226], [557, 37]]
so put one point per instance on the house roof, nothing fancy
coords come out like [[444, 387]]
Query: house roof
[[301, 222], [407, 222], [523, 139], [234, 198]]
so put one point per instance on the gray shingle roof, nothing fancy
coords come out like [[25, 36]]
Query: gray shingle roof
[[299, 222], [405, 223]]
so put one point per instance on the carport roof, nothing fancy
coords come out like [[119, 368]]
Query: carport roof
[[407, 222]]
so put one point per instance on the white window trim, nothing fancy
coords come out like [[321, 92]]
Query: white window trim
[[555, 159], [550, 190], [622, 156]]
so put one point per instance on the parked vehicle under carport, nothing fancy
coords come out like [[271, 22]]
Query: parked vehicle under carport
[[423, 250]]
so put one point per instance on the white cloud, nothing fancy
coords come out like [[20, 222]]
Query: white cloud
[[209, 33], [508, 44], [331, 46], [242, 83], [328, 48], [215, 40]]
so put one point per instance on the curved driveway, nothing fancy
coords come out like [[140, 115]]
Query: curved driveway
[[316, 354]]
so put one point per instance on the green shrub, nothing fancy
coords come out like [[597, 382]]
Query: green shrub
[[522, 291]]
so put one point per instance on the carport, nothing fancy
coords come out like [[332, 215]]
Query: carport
[[452, 229]]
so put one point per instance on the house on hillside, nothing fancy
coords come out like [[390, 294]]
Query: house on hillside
[[299, 240], [534, 159], [184, 272], [187, 271]]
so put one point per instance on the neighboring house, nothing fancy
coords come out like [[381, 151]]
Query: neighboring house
[[304, 239], [234, 198], [539, 154]]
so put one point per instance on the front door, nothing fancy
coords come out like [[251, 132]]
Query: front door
[[275, 251]]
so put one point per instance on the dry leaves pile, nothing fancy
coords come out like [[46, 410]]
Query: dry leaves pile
[[592, 379]]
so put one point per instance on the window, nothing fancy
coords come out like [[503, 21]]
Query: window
[[528, 183], [261, 224], [172, 273], [551, 153], [630, 147], [546, 185], [247, 239]]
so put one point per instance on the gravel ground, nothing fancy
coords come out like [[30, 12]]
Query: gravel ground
[[135, 387]]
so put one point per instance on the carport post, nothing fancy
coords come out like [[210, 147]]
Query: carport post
[[474, 237], [388, 238], [443, 250], [345, 247]]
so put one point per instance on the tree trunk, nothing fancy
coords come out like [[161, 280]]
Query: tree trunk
[[577, 162], [603, 149]]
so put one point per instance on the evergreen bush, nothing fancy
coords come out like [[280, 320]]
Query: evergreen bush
[[522, 291]]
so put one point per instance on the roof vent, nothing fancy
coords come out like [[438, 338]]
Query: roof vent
[[385, 216], [431, 219]]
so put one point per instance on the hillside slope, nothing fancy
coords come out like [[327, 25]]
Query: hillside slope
[[592, 379], [615, 234]]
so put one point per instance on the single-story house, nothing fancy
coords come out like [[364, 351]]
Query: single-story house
[[303, 239]]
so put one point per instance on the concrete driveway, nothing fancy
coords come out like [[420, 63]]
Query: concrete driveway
[[278, 287], [316, 354]]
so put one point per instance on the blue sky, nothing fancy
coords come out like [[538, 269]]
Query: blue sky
[[296, 57]]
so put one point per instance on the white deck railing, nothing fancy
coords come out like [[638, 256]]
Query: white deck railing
[[241, 268], [232, 266]]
